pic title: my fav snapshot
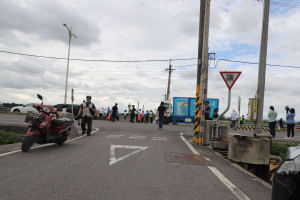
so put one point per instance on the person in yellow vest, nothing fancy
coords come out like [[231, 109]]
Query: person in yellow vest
[[242, 120], [88, 109]]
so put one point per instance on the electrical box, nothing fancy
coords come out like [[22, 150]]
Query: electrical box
[[252, 109]]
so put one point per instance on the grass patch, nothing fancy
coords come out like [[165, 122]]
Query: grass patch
[[280, 148], [9, 138]]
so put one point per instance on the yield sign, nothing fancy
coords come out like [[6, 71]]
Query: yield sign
[[230, 78], [113, 159]]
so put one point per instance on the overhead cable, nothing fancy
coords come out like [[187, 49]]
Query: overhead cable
[[99, 60], [253, 63]]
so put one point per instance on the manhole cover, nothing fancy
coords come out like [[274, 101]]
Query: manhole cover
[[186, 158]]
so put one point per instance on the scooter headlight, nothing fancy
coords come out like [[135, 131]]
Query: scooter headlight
[[43, 124], [46, 110]]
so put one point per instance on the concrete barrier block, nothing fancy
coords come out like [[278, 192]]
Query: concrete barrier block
[[251, 150], [219, 145]]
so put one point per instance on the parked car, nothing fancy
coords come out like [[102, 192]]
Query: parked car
[[24, 109], [69, 108]]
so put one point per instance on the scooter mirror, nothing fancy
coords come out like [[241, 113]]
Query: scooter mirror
[[40, 96]]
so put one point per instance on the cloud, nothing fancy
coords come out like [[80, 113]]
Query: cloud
[[140, 30], [43, 20]]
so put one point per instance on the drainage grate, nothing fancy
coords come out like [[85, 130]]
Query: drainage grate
[[186, 159]]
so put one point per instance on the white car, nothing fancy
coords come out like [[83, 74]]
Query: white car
[[24, 109]]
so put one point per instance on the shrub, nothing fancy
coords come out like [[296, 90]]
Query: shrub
[[280, 149], [9, 138]]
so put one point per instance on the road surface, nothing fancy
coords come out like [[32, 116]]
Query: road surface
[[126, 161]]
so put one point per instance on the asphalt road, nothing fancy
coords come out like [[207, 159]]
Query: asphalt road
[[126, 161]]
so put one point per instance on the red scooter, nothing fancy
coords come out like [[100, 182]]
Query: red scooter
[[47, 126]]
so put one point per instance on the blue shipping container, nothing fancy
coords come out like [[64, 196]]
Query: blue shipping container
[[184, 109]]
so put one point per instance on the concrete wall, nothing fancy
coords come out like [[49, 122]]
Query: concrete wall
[[251, 150], [208, 130]]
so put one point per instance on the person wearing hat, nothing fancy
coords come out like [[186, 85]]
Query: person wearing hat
[[88, 109], [114, 112]]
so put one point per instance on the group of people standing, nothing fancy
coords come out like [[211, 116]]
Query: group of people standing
[[290, 121], [138, 115]]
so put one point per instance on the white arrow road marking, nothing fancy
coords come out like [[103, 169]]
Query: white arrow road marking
[[115, 136], [113, 159], [138, 137], [160, 138]]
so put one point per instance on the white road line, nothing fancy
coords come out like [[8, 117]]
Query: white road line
[[115, 136], [160, 138], [114, 160], [137, 137], [44, 145], [235, 190]]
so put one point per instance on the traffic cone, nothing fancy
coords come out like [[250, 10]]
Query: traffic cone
[[108, 118]]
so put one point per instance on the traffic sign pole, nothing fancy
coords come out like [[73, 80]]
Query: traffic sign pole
[[230, 79]]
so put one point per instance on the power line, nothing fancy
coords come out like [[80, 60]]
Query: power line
[[253, 63], [284, 4], [98, 60]]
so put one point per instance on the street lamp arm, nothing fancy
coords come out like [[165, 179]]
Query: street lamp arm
[[66, 27]]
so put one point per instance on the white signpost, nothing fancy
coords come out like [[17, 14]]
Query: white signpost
[[230, 79]]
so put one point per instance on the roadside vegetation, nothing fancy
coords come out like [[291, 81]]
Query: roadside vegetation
[[9, 138], [280, 148]]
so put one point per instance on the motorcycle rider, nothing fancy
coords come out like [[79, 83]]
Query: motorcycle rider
[[88, 109]]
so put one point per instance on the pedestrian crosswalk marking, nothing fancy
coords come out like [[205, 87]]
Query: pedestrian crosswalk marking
[[114, 160], [137, 137], [160, 138], [115, 136]]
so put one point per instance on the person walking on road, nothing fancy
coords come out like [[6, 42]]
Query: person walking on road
[[132, 114], [290, 121], [142, 117], [108, 112], [125, 115], [151, 116], [114, 112], [272, 121], [233, 119], [147, 117], [101, 113], [161, 110], [88, 109]]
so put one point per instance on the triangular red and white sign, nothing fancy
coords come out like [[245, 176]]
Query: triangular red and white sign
[[230, 78]]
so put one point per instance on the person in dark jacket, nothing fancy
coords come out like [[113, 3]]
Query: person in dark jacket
[[114, 112], [161, 110]]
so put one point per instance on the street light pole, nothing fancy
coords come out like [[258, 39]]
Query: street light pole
[[67, 75]]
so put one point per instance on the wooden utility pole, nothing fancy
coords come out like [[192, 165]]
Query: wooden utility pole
[[169, 80]]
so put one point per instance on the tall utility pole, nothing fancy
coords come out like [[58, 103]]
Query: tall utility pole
[[169, 80], [262, 68], [204, 78], [198, 108], [67, 74]]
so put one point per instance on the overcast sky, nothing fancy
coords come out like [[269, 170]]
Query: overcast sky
[[144, 30]]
